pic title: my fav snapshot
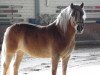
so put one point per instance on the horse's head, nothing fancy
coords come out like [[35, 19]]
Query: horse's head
[[78, 17]]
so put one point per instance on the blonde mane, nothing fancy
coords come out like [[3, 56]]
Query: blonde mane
[[63, 18]]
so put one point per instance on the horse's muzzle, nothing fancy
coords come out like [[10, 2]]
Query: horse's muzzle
[[80, 28]]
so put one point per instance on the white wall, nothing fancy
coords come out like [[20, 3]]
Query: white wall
[[28, 7], [50, 8], [45, 8]]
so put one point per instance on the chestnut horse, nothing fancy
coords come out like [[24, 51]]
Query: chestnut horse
[[55, 41]]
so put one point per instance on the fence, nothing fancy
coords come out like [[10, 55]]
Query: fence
[[10, 14], [91, 34]]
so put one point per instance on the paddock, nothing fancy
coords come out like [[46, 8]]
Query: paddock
[[83, 60]]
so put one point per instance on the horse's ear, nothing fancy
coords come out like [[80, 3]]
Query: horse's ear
[[82, 5], [72, 6]]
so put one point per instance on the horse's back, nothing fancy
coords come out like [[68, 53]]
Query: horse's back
[[28, 38]]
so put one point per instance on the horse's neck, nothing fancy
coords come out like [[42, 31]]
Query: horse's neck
[[70, 32], [53, 23]]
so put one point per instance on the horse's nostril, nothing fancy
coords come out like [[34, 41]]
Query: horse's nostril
[[79, 28]]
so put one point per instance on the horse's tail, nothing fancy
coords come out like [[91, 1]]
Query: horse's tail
[[3, 54], [4, 46], [10, 39], [8, 49], [3, 51]]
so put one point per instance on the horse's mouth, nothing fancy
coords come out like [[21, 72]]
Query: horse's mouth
[[79, 32]]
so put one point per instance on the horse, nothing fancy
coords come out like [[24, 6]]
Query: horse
[[55, 41]]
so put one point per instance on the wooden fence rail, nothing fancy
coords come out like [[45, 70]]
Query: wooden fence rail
[[10, 14]]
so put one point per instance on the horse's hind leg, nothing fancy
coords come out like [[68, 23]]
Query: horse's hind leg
[[5, 61], [16, 62]]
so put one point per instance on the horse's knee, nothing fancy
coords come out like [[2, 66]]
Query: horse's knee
[[5, 61], [16, 62], [15, 66], [15, 69], [4, 68]]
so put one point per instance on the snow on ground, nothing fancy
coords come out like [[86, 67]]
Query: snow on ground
[[84, 61]]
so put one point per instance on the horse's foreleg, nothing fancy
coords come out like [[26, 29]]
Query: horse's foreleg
[[64, 64], [16, 62], [55, 60], [5, 61]]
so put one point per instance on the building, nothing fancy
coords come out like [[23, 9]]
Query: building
[[34, 8]]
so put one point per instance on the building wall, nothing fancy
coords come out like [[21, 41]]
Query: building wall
[[28, 7], [46, 6], [50, 6]]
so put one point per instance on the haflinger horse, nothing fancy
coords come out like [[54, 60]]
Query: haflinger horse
[[55, 41]]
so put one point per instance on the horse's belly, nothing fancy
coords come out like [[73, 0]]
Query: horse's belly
[[34, 50], [39, 53]]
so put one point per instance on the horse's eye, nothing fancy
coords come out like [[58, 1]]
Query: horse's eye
[[81, 13], [73, 14]]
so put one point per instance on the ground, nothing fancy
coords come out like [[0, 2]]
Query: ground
[[84, 61]]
